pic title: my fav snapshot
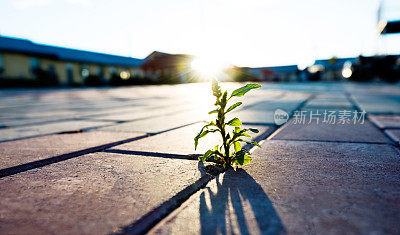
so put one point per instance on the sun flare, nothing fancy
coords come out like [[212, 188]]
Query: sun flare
[[208, 67]]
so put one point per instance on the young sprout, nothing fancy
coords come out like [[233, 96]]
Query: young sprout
[[222, 153]]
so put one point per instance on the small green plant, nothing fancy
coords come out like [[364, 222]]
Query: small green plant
[[221, 153]]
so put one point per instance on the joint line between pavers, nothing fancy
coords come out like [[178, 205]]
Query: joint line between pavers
[[335, 141], [55, 133], [353, 101], [151, 219], [174, 128], [40, 163], [260, 139], [299, 107], [89, 118], [155, 224], [154, 154]]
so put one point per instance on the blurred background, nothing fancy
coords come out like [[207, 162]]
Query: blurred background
[[114, 43]]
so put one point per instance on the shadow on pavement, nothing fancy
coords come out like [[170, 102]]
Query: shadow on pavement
[[238, 205]]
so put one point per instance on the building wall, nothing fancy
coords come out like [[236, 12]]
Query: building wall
[[19, 66], [93, 69], [60, 69], [16, 66], [77, 73], [107, 72]]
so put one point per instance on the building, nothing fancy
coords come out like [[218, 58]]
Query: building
[[276, 73], [330, 69], [169, 68], [23, 62]]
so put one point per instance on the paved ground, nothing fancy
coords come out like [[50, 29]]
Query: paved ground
[[121, 160]]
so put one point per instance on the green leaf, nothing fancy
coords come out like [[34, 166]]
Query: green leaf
[[223, 100], [250, 142], [234, 122], [233, 107], [206, 155], [243, 90], [237, 146], [200, 135], [241, 158], [237, 129], [246, 135], [214, 111], [254, 130]]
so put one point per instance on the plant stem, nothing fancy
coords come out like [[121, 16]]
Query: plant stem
[[226, 147]]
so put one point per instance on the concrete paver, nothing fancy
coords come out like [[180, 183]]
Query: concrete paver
[[394, 134], [181, 141], [158, 124], [339, 102], [350, 132], [378, 104], [311, 178], [48, 128], [253, 116], [94, 194], [299, 187], [19, 152], [385, 121]]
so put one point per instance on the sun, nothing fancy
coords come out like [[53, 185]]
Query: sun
[[208, 66]]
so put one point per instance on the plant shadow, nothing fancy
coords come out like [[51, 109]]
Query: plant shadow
[[237, 205]]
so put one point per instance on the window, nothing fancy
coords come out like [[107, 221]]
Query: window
[[35, 64], [113, 71], [70, 74], [100, 71], [52, 69]]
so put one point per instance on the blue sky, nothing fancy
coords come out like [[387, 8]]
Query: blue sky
[[245, 33]]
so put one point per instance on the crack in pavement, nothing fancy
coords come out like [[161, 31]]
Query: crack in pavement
[[43, 162]]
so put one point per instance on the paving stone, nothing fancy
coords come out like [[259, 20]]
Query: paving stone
[[298, 187], [274, 105], [378, 104], [253, 116], [160, 123], [18, 121], [332, 96], [180, 141], [394, 134], [141, 113], [23, 151], [49, 128], [385, 121], [348, 132], [286, 101], [93, 194], [329, 102], [267, 117]]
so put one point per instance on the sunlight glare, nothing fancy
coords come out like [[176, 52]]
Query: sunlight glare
[[208, 67], [347, 71]]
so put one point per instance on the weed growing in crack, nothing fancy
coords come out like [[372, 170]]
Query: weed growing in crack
[[222, 153]]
